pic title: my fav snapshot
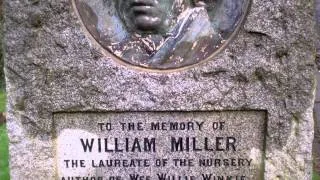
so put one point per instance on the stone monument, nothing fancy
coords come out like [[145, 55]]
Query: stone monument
[[160, 90]]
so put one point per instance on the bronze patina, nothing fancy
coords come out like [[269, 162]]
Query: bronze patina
[[162, 34]]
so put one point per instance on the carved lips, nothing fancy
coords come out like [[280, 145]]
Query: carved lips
[[147, 14]]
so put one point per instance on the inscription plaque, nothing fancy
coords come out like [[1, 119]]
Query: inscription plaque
[[160, 145]]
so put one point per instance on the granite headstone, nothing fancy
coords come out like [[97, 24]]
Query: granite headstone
[[160, 90]]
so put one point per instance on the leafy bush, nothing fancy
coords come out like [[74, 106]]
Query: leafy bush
[[4, 169], [4, 153]]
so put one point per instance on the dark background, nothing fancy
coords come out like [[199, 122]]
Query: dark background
[[316, 144]]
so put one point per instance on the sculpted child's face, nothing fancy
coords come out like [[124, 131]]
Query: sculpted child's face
[[147, 15]]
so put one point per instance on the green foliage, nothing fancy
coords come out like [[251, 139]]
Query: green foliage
[[3, 98], [315, 176], [4, 154]]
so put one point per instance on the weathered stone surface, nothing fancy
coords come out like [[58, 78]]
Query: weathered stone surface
[[52, 66], [317, 100]]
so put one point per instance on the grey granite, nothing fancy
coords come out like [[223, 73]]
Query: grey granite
[[316, 142], [52, 66]]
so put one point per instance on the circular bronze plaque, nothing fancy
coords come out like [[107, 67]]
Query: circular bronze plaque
[[162, 34]]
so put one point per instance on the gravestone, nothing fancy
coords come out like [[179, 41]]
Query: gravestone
[[151, 90]]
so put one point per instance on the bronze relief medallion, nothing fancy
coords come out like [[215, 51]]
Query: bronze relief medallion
[[162, 34]]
